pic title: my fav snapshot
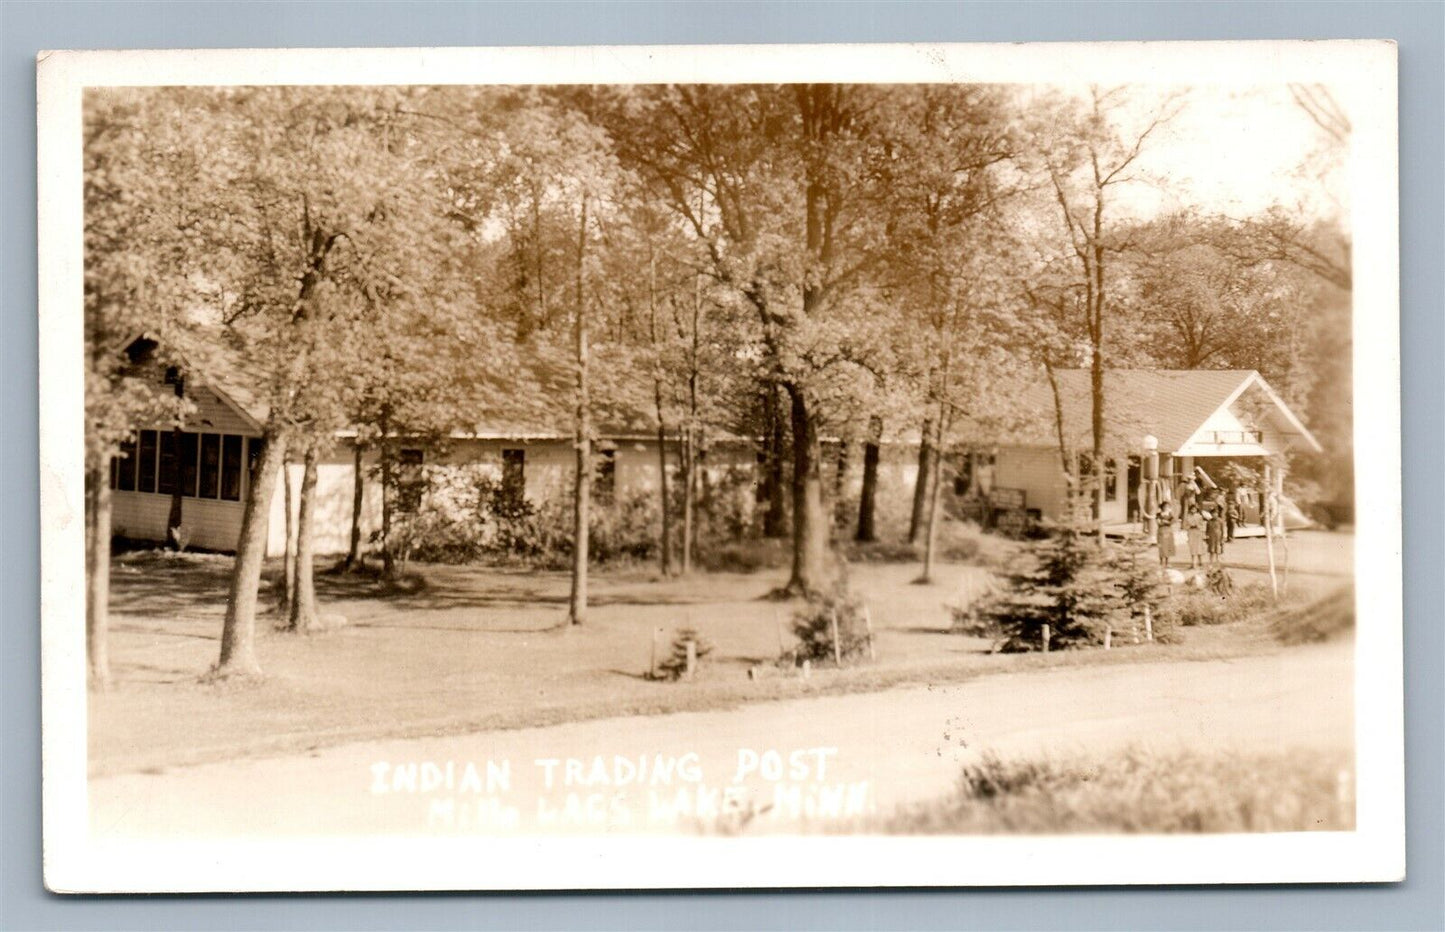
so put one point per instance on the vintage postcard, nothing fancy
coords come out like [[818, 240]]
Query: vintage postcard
[[595, 468]]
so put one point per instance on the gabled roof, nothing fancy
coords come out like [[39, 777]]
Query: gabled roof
[[1170, 404]]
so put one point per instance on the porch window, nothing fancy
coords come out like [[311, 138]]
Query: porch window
[[146, 480], [186, 456], [125, 467], [231, 468], [210, 484], [166, 473]]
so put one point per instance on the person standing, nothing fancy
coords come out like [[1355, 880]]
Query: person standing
[[1165, 534], [1231, 512], [1194, 530], [1214, 533]]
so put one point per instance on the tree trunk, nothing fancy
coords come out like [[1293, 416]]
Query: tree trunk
[[303, 617], [867, 497], [97, 564], [577, 605], [935, 485], [926, 456], [178, 501], [665, 550], [704, 505], [358, 491], [1096, 390], [840, 485], [288, 563], [388, 559], [774, 456], [810, 520], [689, 492], [238, 632]]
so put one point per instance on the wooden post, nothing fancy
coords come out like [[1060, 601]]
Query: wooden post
[[1267, 519], [868, 625], [807, 669], [837, 647], [691, 669], [652, 666], [1046, 634], [1148, 622], [1108, 637]]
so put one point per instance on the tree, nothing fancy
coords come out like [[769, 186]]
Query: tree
[[308, 214], [553, 177], [1087, 153], [771, 183], [948, 168], [137, 229]]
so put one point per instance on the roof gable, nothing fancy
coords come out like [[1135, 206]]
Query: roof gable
[[1171, 404]]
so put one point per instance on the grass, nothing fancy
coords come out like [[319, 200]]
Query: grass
[[1143, 791], [1327, 618], [469, 649]]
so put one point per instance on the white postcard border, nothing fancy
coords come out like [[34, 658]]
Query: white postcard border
[[74, 862]]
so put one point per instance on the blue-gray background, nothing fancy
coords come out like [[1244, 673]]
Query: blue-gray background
[[26, 28]]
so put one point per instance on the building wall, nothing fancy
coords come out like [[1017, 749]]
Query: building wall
[[1037, 471], [211, 524]]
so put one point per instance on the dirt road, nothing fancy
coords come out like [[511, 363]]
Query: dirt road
[[831, 757]]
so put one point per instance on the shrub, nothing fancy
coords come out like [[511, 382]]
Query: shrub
[[1144, 791], [674, 667], [1189, 607], [745, 556], [813, 624], [1317, 621]]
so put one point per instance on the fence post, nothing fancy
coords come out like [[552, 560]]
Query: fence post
[[837, 647], [1148, 622], [1046, 634], [691, 658], [652, 665], [1108, 636], [868, 624]]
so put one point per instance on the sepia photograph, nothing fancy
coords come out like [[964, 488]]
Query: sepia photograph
[[765, 466]]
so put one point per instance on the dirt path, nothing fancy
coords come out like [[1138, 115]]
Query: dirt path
[[854, 753]]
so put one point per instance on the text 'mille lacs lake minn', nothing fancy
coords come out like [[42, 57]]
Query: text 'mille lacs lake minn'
[[720, 466]]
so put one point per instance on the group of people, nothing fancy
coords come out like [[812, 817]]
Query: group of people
[[1208, 519]]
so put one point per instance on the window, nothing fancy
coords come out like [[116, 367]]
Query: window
[[210, 466], [409, 479], [146, 477], [231, 468], [126, 467], [166, 473], [186, 456], [1111, 480], [604, 477], [1238, 436], [514, 473]]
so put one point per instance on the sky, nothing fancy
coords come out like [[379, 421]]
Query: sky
[[1236, 151]]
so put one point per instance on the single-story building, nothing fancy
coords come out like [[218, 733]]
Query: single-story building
[[203, 464], [1202, 418]]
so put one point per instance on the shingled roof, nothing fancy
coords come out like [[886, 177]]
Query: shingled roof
[[1171, 404]]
